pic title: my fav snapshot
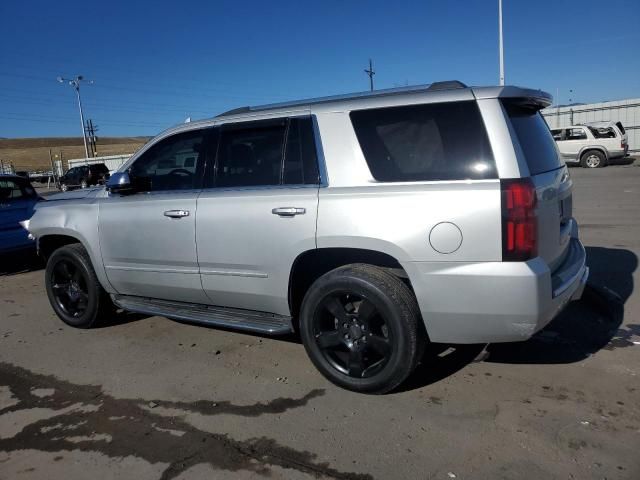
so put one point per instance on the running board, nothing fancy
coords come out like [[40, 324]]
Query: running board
[[259, 322]]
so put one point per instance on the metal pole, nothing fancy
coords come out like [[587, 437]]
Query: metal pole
[[371, 73], [84, 136], [501, 43]]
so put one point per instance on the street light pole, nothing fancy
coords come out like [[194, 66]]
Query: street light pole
[[501, 45], [75, 83]]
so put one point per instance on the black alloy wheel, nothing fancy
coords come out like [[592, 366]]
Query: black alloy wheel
[[352, 335], [361, 328], [69, 285], [74, 290]]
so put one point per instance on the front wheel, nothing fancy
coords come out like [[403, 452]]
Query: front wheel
[[64, 187], [73, 288], [84, 184], [361, 327]]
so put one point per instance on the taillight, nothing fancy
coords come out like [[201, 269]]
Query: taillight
[[519, 222]]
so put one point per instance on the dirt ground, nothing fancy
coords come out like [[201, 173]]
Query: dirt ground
[[149, 398], [32, 154]]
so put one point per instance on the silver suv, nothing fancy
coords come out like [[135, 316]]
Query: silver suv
[[592, 145], [370, 224]]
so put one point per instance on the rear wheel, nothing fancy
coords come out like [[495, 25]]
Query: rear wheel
[[361, 328], [592, 159], [73, 288]]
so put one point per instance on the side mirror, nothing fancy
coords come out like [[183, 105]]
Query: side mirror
[[119, 182]]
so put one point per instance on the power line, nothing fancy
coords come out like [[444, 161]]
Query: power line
[[100, 106], [53, 119]]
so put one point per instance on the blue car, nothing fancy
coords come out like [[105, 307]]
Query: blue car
[[17, 201]]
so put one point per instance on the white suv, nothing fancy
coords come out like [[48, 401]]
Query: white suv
[[592, 145]]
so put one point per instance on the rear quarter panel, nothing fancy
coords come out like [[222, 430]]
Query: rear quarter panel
[[403, 220], [397, 218]]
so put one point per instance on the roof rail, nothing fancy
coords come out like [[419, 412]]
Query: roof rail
[[445, 85]]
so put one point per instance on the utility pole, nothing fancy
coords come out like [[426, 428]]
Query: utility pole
[[91, 130], [371, 73], [75, 83], [501, 44]]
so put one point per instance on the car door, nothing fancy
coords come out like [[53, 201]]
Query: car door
[[69, 177], [259, 213], [575, 139], [147, 238], [17, 199]]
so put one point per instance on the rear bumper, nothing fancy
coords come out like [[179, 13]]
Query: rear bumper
[[492, 302]]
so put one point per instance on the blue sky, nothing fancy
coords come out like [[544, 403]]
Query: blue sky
[[155, 63]]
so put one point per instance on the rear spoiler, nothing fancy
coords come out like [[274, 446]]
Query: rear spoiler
[[523, 97]]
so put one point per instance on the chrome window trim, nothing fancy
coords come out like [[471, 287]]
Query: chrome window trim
[[258, 188]]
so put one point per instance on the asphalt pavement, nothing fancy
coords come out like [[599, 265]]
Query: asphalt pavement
[[149, 398]]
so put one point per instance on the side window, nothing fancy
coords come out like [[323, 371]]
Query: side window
[[175, 163], [10, 190], [250, 155], [576, 134], [557, 134], [605, 132], [300, 161], [439, 141]]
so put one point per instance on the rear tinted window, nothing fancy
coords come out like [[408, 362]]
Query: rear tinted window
[[535, 139], [442, 141], [619, 125]]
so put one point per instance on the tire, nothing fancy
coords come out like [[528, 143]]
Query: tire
[[83, 184], [383, 339], [593, 159], [74, 290], [64, 187]]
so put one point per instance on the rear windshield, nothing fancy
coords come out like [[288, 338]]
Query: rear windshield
[[619, 125], [441, 141], [535, 139]]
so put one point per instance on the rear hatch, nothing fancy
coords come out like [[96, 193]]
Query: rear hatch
[[550, 177]]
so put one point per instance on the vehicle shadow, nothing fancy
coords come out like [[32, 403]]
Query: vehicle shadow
[[581, 330], [122, 317], [622, 161], [20, 262]]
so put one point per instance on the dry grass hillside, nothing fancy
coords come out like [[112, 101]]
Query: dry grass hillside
[[33, 153]]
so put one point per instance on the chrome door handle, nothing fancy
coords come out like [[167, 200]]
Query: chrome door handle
[[176, 213], [288, 211]]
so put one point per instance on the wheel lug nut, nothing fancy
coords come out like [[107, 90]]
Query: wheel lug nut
[[344, 325]]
